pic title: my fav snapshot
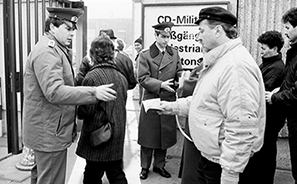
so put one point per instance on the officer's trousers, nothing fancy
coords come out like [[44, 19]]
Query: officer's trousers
[[51, 167]]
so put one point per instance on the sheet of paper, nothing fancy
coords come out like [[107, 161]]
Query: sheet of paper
[[153, 104]]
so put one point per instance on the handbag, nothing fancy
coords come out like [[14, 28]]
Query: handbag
[[101, 135]]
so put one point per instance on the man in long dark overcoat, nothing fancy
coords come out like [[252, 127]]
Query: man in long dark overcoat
[[159, 69]]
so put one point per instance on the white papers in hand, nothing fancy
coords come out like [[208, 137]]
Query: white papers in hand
[[153, 104]]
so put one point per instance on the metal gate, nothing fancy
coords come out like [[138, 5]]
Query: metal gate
[[23, 25]]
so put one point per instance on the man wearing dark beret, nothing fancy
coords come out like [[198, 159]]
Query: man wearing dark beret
[[227, 109], [50, 97], [159, 67]]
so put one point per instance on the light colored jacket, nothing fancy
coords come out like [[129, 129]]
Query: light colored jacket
[[227, 109], [50, 97]]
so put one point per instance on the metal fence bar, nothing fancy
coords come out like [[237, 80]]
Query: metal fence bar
[[10, 76], [36, 21], [43, 15], [20, 18], [28, 26]]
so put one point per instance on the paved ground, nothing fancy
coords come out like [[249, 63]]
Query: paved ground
[[10, 175]]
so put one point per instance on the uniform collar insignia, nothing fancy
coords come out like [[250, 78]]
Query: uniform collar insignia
[[154, 50]]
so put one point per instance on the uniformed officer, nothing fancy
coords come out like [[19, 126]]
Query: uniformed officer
[[158, 67], [50, 96]]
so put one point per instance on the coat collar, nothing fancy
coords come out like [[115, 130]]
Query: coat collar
[[154, 51], [213, 55], [292, 51], [105, 64], [270, 60]]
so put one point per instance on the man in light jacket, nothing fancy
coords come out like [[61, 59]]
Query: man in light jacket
[[227, 109]]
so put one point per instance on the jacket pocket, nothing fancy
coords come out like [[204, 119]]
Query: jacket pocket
[[205, 131], [59, 125]]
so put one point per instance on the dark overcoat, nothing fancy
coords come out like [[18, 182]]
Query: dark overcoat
[[154, 130], [125, 66], [93, 115]]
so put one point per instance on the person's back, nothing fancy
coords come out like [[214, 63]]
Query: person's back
[[85, 66], [108, 156], [125, 65], [93, 115], [123, 62]]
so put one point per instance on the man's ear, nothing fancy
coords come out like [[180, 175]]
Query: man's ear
[[52, 28], [275, 49], [219, 30]]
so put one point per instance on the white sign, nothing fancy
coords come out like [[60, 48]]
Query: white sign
[[184, 35]]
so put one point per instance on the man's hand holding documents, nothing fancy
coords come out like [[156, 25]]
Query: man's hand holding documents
[[153, 104]]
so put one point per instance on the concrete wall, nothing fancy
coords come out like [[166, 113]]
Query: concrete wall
[[258, 16]]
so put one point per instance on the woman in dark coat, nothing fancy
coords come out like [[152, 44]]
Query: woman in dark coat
[[107, 157]]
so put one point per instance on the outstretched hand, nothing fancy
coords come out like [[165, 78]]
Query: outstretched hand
[[166, 85], [105, 92]]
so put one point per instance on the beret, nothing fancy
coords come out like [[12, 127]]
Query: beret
[[69, 14], [218, 14], [164, 28]]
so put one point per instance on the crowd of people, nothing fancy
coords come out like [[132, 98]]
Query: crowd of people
[[234, 109]]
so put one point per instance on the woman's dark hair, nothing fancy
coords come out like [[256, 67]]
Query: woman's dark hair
[[291, 17], [272, 39], [56, 22], [231, 31], [102, 49]]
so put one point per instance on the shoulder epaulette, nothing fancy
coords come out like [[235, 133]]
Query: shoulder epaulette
[[51, 43], [145, 50]]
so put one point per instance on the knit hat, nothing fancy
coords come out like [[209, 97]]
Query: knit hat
[[138, 40]]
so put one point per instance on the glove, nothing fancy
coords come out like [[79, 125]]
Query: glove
[[228, 177]]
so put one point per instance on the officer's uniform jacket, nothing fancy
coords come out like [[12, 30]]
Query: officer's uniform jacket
[[50, 97], [157, 131]]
